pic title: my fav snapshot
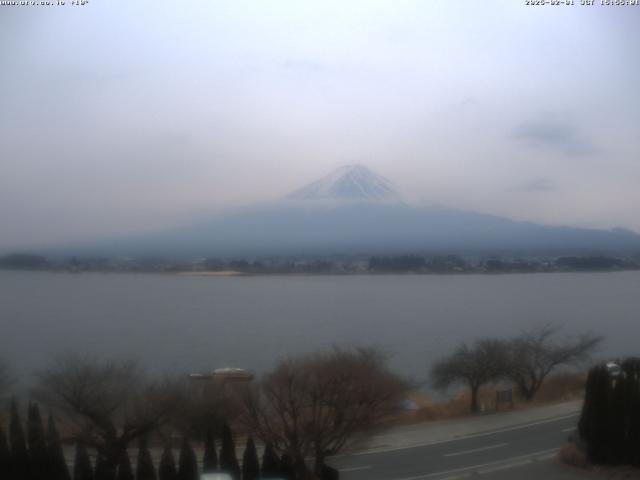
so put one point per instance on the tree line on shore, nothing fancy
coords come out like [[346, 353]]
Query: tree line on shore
[[325, 265]]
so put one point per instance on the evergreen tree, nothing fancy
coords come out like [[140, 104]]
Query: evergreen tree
[[5, 456], [145, 469], [82, 469], [584, 424], [188, 463], [38, 454], [250, 463], [270, 462], [102, 470], [597, 429], [125, 472], [210, 458], [20, 462], [616, 445], [631, 369], [57, 462], [610, 420], [287, 469], [228, 460], [167, 469]]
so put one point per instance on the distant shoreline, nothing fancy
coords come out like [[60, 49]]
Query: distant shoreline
[[354, 265], [209, 273], [232, 273]]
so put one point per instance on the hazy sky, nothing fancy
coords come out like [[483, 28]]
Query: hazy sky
[[120, 115]]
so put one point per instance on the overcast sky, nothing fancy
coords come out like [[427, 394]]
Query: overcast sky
[[121, 116]]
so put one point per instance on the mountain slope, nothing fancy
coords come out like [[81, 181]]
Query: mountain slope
[[365, 228], [355, 211]]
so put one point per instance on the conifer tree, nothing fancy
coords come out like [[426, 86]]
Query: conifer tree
[[57, 462], [125, 472], [599, 434], [210, 458], [188, 463], [102, 470], [5, 456], [228, 460], [270, 462], [584, 424], [594, 425], [631, 367], [610, 420], [38, 454], [250, 463], [617, 451], [20, 464], [82, 469], [145, 469], [287, 469], [167, 469]]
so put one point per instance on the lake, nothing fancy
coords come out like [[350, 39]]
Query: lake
[[180, 324]]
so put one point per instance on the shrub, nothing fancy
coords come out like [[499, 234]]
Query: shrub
[[572, 455]]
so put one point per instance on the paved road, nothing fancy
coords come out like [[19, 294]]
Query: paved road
[[523, 448]]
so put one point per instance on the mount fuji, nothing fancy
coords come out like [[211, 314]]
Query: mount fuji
[[357, 212], [348, 183]]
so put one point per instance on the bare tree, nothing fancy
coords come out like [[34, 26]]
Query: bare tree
[[206, 406], [537, 352], [483, 362], [318, 405], [110, 403]]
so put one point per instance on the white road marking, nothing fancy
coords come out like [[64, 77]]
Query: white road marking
[[481, 449], [355, 469], [464, 437], [456, 477], [512, 460]]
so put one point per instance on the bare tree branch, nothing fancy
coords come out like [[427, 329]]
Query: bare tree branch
[[485, 361], [318, 405], [534, 354], [111, 403]]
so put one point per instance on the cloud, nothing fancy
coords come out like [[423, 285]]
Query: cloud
[[308, 66], [551, 132], [537, 185]]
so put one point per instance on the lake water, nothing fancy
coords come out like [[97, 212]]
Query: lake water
[[182, 324]]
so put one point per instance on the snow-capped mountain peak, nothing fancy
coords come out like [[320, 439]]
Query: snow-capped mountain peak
[[351, 182]]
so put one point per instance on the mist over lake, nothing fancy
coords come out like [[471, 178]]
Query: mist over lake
[[179, 324]]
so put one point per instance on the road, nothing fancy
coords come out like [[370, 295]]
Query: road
[[526, 448]]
